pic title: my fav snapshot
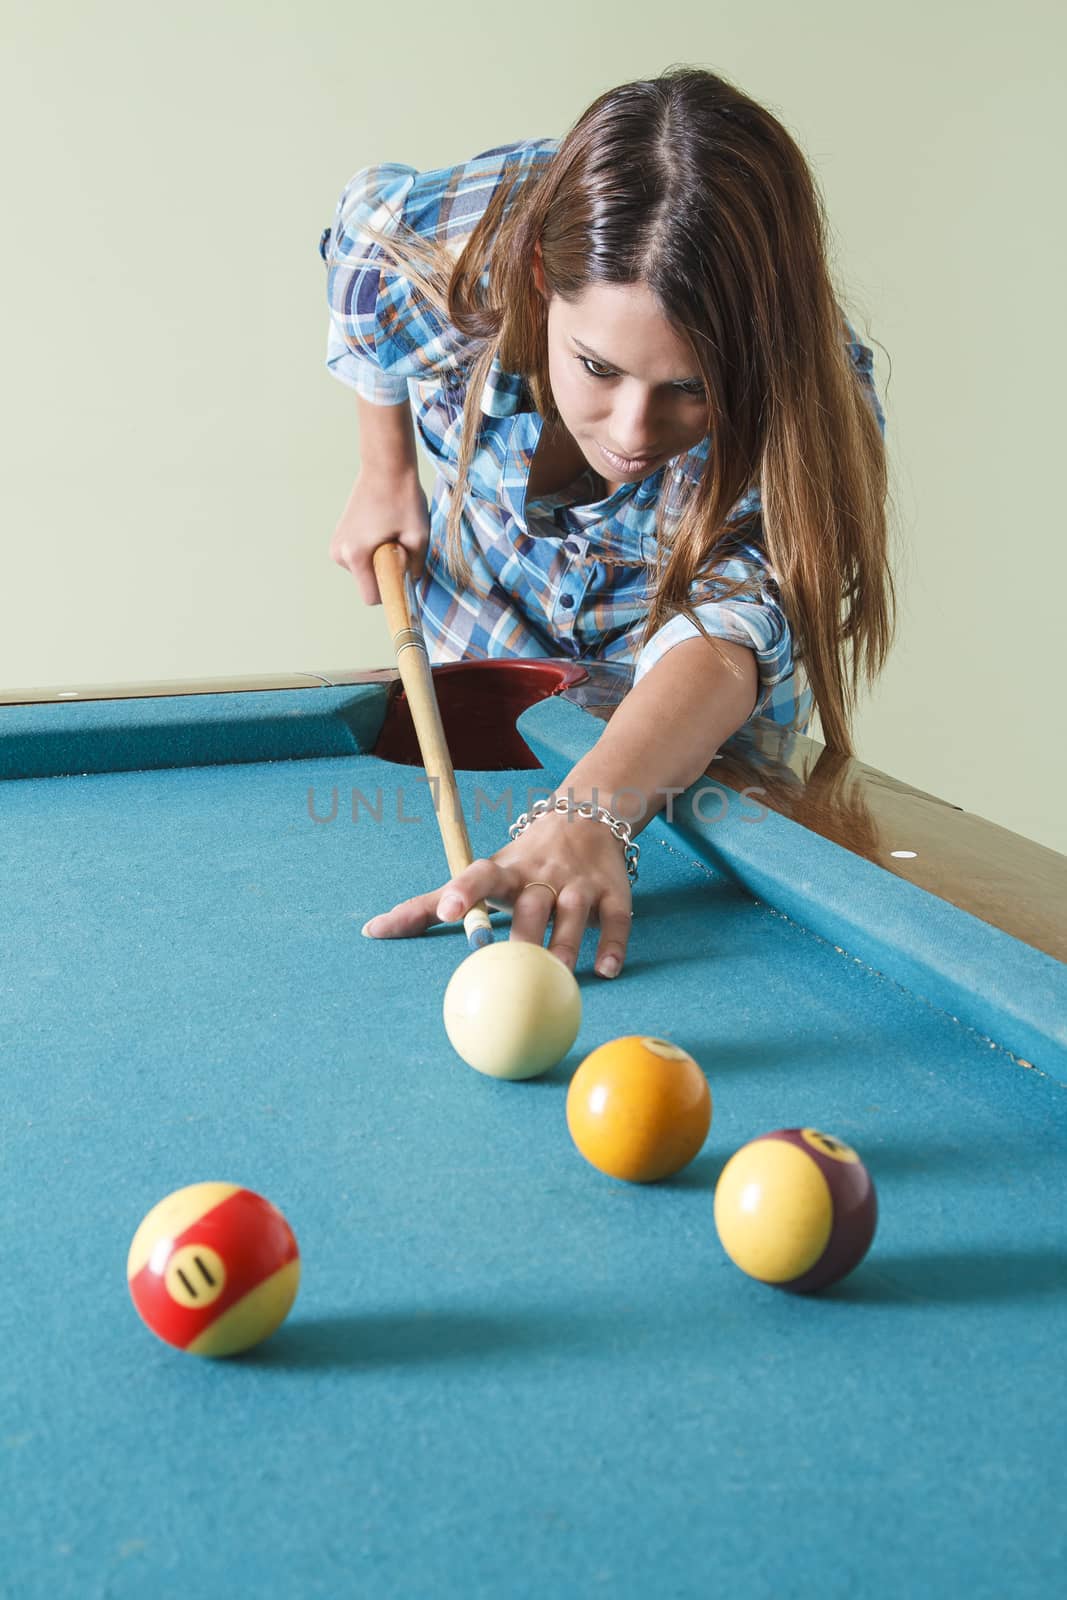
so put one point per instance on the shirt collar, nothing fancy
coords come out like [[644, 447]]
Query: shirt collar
[[504, 393], [622, 525]]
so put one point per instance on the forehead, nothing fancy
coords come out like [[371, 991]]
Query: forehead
[[626, 325]]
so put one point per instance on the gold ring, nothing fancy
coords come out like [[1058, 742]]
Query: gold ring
[[539, 883]]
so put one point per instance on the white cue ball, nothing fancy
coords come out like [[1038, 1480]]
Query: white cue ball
[[512, 1009]]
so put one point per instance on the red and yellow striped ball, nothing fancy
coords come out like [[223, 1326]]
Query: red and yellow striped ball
[[213, 1269], [796, 1209]]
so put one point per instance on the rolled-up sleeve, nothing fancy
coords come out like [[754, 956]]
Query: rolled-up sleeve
[[360, 373], [364, 348], [863, 360], [755, 620], [385, 335]]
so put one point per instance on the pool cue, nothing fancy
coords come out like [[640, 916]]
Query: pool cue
[[390, 563]]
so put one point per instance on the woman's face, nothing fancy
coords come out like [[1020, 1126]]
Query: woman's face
[[626, 385]]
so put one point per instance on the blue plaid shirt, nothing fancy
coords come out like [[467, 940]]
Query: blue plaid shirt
[[565, 574]]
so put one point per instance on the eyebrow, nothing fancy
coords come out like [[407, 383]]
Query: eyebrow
[[604, 362]]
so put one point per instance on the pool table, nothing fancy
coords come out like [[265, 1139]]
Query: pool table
[[505, 1373]]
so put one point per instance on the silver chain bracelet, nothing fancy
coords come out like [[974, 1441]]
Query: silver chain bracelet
[[584, 808]]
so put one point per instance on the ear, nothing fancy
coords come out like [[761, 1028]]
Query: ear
[[539, 270]]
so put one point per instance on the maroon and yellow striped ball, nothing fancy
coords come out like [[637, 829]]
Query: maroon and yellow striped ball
[[796, 1209], [213, 1269]]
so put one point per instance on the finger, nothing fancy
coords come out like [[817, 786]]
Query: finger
[[406, 920], [616, 922], [482, 880], [414, 547], [569, 918], [361, 565], [411, 546], [534, 904]]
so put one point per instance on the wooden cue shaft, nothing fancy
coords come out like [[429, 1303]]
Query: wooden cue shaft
[[390, 563]]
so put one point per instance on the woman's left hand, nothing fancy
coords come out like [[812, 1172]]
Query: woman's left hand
[[576, 856]]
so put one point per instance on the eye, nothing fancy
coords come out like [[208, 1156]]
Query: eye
[[594, 369], [691, 391]]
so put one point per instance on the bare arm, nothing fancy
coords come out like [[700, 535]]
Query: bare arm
[[387, 503], [386, 438], [665, 732], [660, 739]]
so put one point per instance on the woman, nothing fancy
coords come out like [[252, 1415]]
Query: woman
[[657, 441]]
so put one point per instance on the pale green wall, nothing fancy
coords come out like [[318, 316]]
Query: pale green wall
[[176, 454]]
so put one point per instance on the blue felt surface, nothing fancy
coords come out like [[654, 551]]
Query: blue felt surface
[[91, 736], [505, 1375], [1008, 991]]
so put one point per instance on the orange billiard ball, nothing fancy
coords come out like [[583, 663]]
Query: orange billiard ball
[[213, 1269], [796, 1209], [639, 1108]]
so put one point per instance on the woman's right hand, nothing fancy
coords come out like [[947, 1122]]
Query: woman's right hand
[[382, 509]]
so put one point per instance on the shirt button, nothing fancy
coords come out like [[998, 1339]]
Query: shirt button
[[566, 602]]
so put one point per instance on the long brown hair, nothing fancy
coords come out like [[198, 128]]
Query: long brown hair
[[685, 184]]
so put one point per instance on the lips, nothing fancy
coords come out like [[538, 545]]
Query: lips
[[623, 464]]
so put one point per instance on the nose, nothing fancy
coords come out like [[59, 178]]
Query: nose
[[636, 430]]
